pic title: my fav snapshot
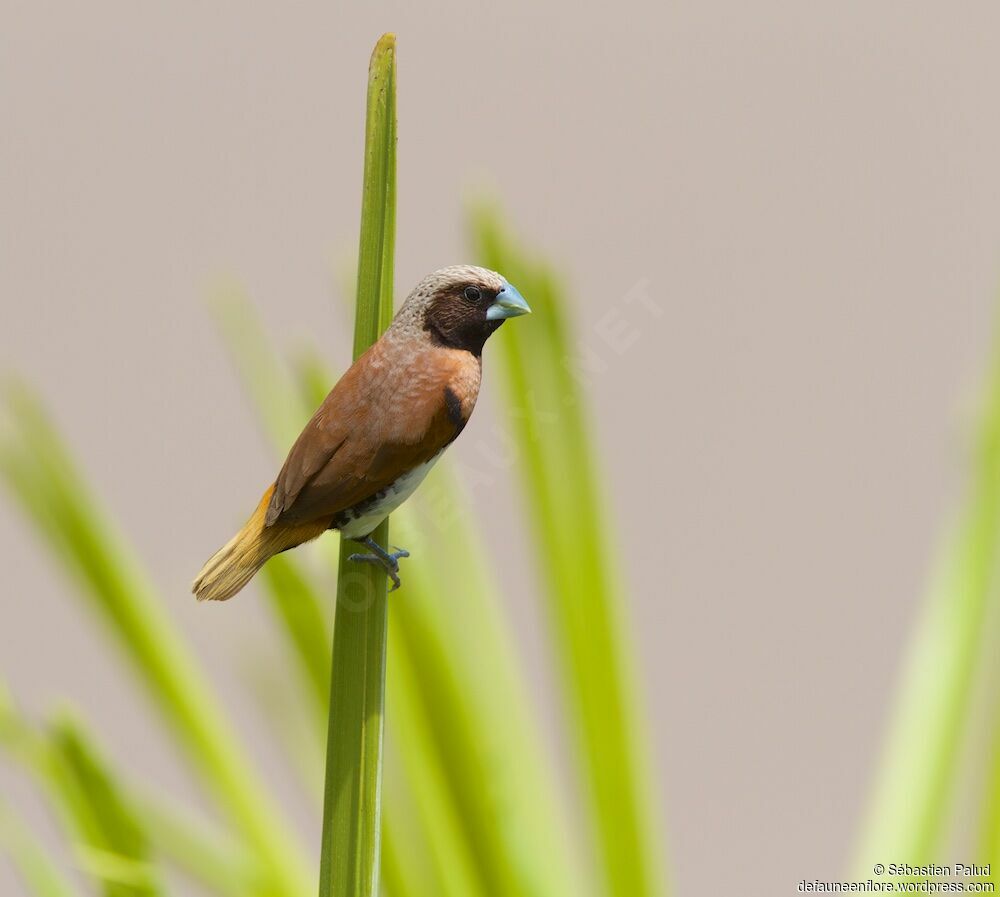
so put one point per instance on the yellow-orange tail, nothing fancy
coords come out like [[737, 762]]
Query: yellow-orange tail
[[234, 565]]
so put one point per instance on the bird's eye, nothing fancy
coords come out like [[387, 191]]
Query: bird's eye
[[473, 294]]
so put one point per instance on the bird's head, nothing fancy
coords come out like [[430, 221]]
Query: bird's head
[[461, 306]]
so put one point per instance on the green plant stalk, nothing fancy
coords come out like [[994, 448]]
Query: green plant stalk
[[546, 410], [912, 797], [349, 860], [42, 476]]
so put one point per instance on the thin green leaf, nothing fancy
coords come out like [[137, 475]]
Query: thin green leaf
[[295, 724], [267, 379], [913, 794], [190, 842], [449, 849], [477, 703], [546, 410], [297, 603], [313, 378], [349, 861], [119, 874], [396, 877], [22, 741], [82, 788], [988, 848], [306, 621], [200, 850], [407, 870], [106, 826]]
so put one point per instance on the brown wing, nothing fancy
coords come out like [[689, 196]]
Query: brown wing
[[389, 413]]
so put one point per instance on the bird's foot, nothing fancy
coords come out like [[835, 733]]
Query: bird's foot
[[387, 560]]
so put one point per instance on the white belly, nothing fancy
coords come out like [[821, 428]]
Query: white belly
[[363, 519]]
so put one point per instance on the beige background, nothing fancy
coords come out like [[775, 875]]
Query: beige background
[[813, 192]]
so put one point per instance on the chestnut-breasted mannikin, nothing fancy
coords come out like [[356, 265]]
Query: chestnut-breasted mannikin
[[379, 431]]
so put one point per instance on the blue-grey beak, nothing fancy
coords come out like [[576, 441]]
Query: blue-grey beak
[[509, 304]]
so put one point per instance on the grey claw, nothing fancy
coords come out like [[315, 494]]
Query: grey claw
[[400, 552], [389, 563]]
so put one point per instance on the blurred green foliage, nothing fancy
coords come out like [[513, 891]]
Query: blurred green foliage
[[472, 804], [934, 750]]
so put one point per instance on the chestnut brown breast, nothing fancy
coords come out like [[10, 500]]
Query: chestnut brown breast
[[396, 408]]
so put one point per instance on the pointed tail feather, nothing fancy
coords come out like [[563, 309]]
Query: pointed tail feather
[[234, 565]]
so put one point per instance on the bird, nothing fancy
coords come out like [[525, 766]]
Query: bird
[[378, 432]]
